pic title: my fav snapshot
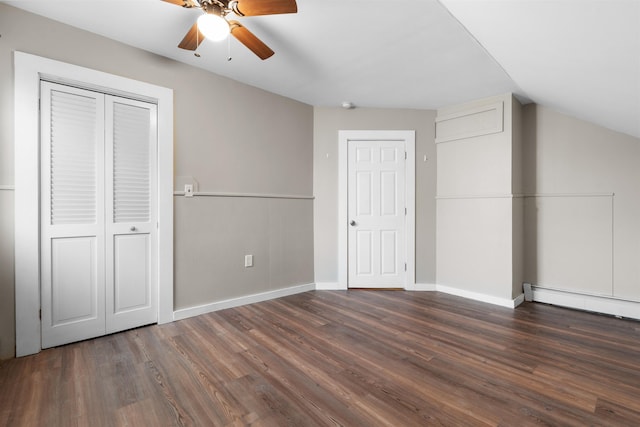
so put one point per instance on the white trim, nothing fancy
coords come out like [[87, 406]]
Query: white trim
[[251, 195], [235, 302], [410, 201], [503, 302], [430, 287], [424, 287], [7, 187], [518, 300], [409, 137], [343, 248], [594, 303], [330, 286], [29, 69]]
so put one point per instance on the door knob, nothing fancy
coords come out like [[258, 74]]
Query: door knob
[[133, 228], [352, 223]]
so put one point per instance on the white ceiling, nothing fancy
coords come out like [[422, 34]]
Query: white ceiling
[[581, 57]]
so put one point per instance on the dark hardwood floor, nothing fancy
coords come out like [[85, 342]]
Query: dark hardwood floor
[[350, 358]]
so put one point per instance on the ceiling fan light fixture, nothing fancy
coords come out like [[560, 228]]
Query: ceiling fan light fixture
[[213, 27]]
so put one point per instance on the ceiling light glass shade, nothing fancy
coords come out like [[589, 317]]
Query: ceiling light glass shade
[[213, 27]]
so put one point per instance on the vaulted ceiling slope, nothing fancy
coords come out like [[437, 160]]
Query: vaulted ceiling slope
[[581, 57]]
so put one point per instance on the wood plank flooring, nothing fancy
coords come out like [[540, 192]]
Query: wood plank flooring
[[341, 358]]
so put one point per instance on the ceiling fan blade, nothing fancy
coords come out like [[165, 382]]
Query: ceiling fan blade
[[248, 39], [192, 39], [264, 7]]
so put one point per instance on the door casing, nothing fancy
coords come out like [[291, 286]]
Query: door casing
[[344, 137], [29, 70]]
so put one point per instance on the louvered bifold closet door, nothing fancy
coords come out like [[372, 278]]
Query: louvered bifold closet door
[[131, 223], [72, 214]]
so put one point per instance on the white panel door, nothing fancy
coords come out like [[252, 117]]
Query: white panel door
[[99, 214], [131, 206], [72, 215], [376, 212]]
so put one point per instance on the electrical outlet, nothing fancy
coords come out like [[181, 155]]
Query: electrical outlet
[[248, 260], [188, 190]]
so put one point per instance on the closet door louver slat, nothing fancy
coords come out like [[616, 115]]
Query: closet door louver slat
[[73, 159], [131, 168]]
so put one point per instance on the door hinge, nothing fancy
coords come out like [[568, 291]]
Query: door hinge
[[40, 314], [405, 266], [405, 155], [405, 211]]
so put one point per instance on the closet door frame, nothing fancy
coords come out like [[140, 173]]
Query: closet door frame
[[29, 70]]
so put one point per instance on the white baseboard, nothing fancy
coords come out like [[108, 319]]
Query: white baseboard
[[423, 287], [503, 302], [431, 287], [598, 304], [235, 302], [329, 286], [518, 300], [334, 286], [490, 299]]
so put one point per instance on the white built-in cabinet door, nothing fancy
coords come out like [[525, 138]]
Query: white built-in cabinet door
[[377, 214], [98, 214]]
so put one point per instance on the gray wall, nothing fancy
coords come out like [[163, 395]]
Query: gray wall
[[478, 219], [579, 236], [327, 123], [214, 234], [263, 144], [7, 296]]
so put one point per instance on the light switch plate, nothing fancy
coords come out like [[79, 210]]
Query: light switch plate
[[248, 260]]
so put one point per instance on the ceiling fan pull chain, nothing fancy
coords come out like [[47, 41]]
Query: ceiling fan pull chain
[[229, 58], [195, 52]]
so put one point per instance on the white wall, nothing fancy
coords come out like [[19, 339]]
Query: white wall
[[583, 229], [262, 144], [327, 123]]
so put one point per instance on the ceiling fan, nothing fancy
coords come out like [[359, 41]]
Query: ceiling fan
[[213, 23]]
